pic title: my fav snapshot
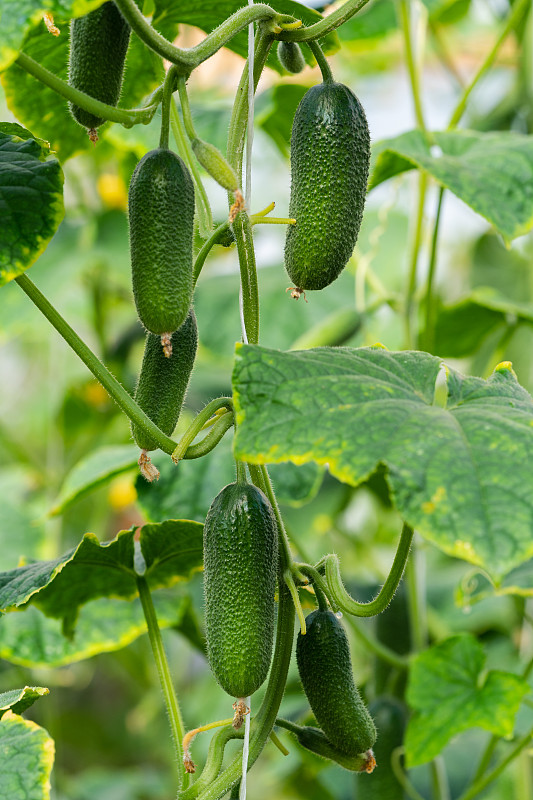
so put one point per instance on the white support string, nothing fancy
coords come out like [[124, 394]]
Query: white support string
[[242, 788]]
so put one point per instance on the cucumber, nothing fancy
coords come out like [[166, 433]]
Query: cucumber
[[315, 740], [291, 57], [215, 164], [330, 156], [325, 668], [240, 563], [161, 215], [98, 45], [390, 718], [163, 381]]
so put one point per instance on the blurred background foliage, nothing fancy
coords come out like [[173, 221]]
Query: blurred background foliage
[[105, 712]]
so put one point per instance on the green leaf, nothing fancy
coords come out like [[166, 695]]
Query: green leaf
[[31, 200], [490, 172], [18, 700], [451, 693], [31, 639], [460, 475], [208, 14], [169, 552], [474, 317], [27, 759], [94, 470]]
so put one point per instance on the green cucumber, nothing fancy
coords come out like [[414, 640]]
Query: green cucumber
[[161, 214], [330, 156], [215, 164], [163, 381], [390, 718], [325, 668], [240, 563], [98, 45], [315, 740], [291, 57]]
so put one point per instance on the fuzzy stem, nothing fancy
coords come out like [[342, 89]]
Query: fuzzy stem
[[168, 91], [411, 64], [316, 50], [197, 424], [415, 250], [219, 428], [326, 25]]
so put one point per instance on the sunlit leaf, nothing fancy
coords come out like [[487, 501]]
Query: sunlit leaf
[[18, 700], [27, 753]]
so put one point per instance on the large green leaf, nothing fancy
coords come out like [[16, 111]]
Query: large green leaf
[[18, 700], [31, 199], [168, 552], [473, 318], [451, 693], [491, 172], [460, 475], [31, 639], [208, 14], [27, 753]]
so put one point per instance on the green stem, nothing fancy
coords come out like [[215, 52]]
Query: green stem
[[401, 775], [206, 249], [190, 58], [415, 250], [316, 50], [291, 586], [439, 780], [478, 786], [327, 24], [168, 91], [198, 423], [186, 108], [285, 554], [242, 230], [486, 758], [209, 442], [375, 646], [416, 602], [205, 217], [411, 65], [241, 472], [213, 763], [158, 649], [100, 372], [126, 117], [429, 332], [518, 10], [345, 602]]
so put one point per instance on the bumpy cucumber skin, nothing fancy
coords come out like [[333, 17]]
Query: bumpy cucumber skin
[[325, 668], [98, 45], [240, 563], [291, 57], [163, 381], [161, 214], [390, 718], [330, 156]]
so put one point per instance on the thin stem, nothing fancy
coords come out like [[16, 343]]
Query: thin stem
[[241, 472], [168, 90], [439, 780], [289, 581], [205, 217], [286, 557], [401, 775], [430, 300], [128, 117], [414, 76], [278, 743], [518, 9], [327, 75], [197, 424], [413, 260], [100, 372], [321, 599], [416, 601], [213, 762], [185, 108], [242, 230], [375, 646], [190, 58], [486, 757], [380, 603], [327, 24], [209, 442], [158, 649], [481, 784], [206, 249]]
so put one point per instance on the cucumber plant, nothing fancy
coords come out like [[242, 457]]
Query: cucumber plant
[[337, 405]]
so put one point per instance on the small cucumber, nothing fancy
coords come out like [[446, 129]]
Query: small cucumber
[[215, 164], [315, 740], [291, 57], [390, 718], [240, 563], [325, 668], [98, 44], [161, 214], [330, 156], [163, 381]]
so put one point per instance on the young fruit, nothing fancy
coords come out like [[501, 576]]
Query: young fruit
[[315, 740], [98, 44], [325, 668], [291, 57], [240, 563], [390, 719], [330, 155], [163, 381], [161, 214], [215, 164]]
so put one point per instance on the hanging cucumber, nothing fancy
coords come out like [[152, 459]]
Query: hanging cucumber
[[390, 718], [325, 668], [98, 45], [315, 740], [291, 57], [161, 214], [330, 156], [163, 381], [240, 563]]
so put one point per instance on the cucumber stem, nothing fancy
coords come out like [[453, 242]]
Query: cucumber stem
[[168, 91], [209, 442], [206, 249], [158, 650], [241, 471], [327, 75], [429, 329], [186, 108], [327, 24], [100, 372], [197, 424]]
